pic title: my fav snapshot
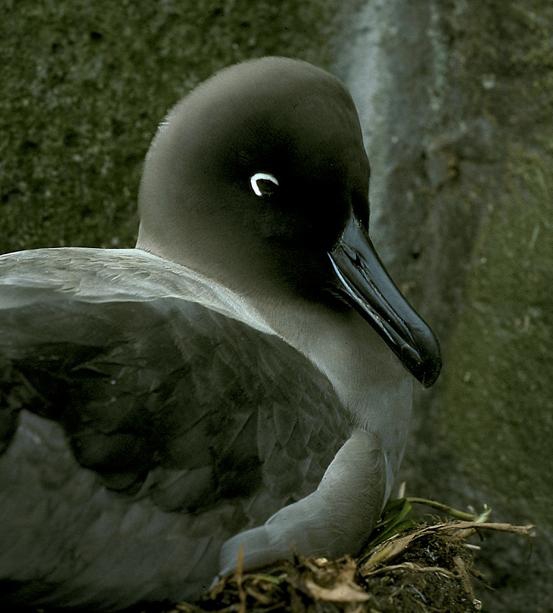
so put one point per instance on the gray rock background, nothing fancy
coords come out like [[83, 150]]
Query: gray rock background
[[459, 130], [456, 98]]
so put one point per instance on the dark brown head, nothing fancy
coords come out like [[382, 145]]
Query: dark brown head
[[259, 178]]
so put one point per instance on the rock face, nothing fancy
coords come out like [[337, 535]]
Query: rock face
[[462, 99], [456, 98]]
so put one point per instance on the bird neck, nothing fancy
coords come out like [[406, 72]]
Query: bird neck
[[367, 377]]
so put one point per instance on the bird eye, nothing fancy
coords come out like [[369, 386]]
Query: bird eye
[[263, 184]]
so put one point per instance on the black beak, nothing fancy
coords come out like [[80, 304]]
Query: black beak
[[368, 287]]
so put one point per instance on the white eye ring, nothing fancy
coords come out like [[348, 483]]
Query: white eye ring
[[261, 176]]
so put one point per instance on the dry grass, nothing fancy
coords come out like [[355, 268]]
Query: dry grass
[[423, 568]]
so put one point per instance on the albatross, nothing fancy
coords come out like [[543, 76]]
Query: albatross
[[239, 383]]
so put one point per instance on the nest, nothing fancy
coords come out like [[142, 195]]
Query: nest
[[425, 567]]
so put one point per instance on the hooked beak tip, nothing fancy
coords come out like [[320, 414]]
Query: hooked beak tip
[[431, 373], [425, 366]]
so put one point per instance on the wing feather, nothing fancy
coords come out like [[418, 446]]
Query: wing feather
[[157, 393]]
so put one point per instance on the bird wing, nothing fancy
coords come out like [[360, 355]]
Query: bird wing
[[157, 394]]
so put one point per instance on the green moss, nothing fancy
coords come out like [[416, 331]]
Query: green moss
[[499, 63], [84, 85], [498, 384]]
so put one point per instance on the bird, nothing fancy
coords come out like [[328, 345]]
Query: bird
[[237, 385]]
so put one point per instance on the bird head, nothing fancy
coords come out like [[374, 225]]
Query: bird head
[[259, 178]]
